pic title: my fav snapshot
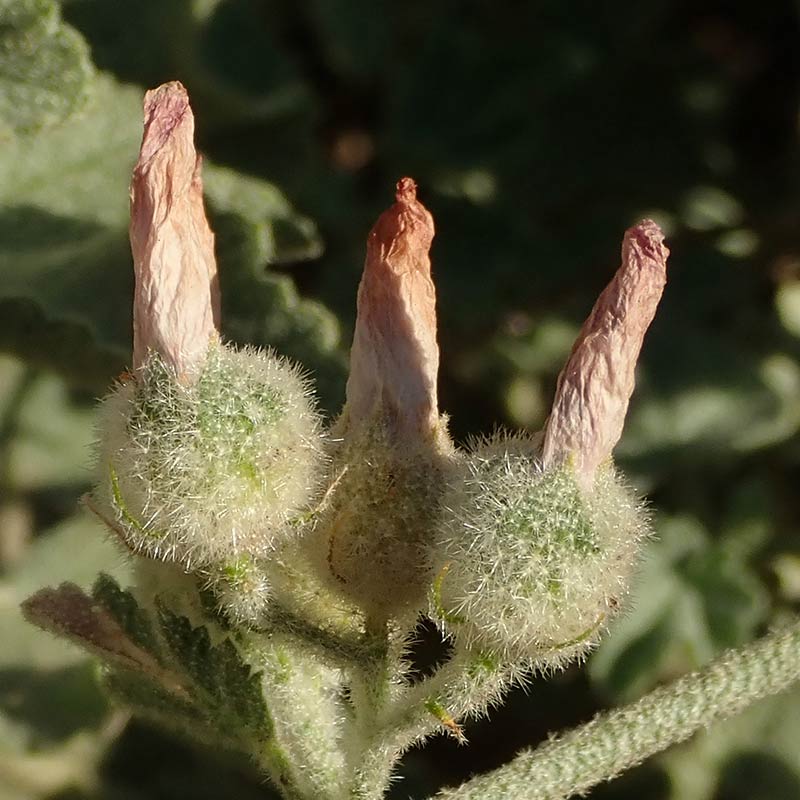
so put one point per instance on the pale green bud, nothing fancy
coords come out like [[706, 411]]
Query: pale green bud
[[373, 543], [535, 566], [374, 537], [205, 472]]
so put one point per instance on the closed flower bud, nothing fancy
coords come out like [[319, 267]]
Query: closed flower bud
[[541, 537], [534, 566], [373, 542], [176, 304], [208, 455], [209, 472], [597, 382]]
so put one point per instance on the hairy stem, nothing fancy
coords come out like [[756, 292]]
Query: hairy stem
[[338, 647], [376, 672], [373, 773], [463, 685], [372, 763], [620, 739], [274, 761]]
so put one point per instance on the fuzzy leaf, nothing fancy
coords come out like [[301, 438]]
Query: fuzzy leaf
[[45, 69], [52, 712], [150, 700], [231, 692], [262, 81], [122, 606], [68, 612], [52, 557], [46, 433], [191, 682], [286, 237]]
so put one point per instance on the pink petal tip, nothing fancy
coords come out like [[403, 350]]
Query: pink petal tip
[[596, 384], [394, 360], [176, 301]]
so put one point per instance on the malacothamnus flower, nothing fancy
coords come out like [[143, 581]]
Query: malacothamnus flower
[[282, 568]]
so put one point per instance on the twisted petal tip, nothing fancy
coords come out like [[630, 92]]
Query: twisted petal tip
[[596, 384], [176, 301]]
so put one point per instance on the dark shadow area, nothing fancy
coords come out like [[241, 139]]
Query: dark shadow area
[[52, 704], [758, 776]]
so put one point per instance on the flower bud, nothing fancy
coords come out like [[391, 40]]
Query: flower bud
[[176, 303], [392, 447], [534, 566], [597, 382], [207, 454], [209, 472]]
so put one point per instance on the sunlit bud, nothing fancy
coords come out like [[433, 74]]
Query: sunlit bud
[[597, 382], [533, 567], [395, 359], [391, 449], [176, 302], [212, 473]]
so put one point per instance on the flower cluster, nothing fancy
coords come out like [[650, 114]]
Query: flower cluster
[[215, 460]]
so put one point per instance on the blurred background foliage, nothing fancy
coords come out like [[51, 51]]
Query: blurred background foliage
[[538, 131]]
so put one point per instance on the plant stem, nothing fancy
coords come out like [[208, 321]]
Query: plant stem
[[275, 763], [373, 773], [372, 764], [461, 686], [334, 646], [373, 673], [620, 739]]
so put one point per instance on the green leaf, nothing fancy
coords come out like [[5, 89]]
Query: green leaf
[[276, 232], [231, 692], [45, 69], [356, 36], [54, 719], [693, 599], [41, 708], [71, 614], [64, 260], [187, 680], [114, 628], [123, 607], [150, 700], [67, 770], [46, 433], [49, 698], [74, 550], [230, 53], [205, 691], [736, 404]]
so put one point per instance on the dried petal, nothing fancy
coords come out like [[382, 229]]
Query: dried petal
[[176, 303], [597, 382], [394, 360]]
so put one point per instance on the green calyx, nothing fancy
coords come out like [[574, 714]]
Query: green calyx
[[536, 564], [218, 463]]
